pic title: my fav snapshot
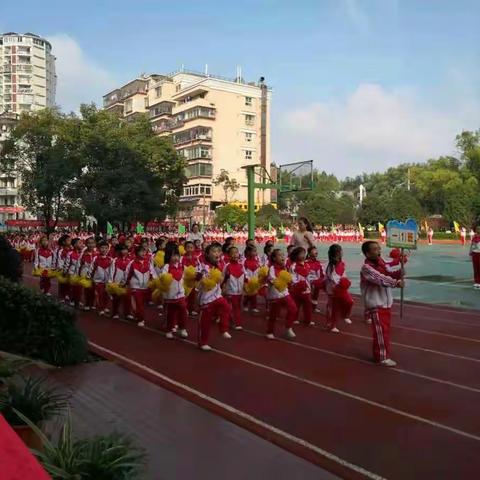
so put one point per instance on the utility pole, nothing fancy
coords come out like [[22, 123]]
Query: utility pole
[[408, 180]]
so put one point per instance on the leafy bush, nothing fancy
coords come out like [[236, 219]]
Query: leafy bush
[[9, 367], [10, 261], [104, 457], [33, 325], [32, 399]]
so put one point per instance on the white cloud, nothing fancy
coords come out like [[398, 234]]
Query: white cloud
[[371, 129], [80, 80]]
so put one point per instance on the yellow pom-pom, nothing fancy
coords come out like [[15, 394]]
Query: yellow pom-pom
[[114, 288], [188, 290], [263, 274], [153, 284], [51, 273], [156, 296], [74, 279], [285, 276], [181, 250], [159, 259], [189, 278], [216, 275], [62, 278], [165, 280], [37, 272], [208, 284], [252, 286], [86, 282], [280, 284]]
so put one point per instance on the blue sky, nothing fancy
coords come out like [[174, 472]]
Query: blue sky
[[358, 85]]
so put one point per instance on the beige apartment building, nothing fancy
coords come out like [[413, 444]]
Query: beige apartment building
[[215, 123]]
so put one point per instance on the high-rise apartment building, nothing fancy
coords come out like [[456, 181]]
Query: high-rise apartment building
[[27, 73], [215, 123]]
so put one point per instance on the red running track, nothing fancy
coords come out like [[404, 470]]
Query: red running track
[[321, 397]]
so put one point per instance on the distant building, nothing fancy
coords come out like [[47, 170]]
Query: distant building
[[27, 73], [214, 122]]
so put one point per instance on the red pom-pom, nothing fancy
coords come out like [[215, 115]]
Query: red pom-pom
[[344, 283]]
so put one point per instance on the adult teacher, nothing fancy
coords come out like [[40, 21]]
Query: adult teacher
[[303, 237], [194, 234]]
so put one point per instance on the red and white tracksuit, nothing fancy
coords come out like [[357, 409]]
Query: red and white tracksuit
[[44, 259], [234, 280], [139, 274], [118, 274], [316, 278], [376, 286], [340, 302], [475, 254], [212, 305], [277, 300], [100, 274], [251, 267], [86, 262], [192, 296], [174, 300], [300, 289], [62, 257], [72, 267]]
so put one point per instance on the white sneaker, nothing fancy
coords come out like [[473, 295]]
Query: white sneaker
[[388, 363], [270, 336], [312, 324], [245, 309], [94, 308], [318, 310], [107, 311], [226, 335], [183, 333], [368, 322], [335, 330], [290, 333], [72, 304], [169, 335], [160, 306], [101, 313], [296, 322], [116, 316], [141, 324], [194, 314], [238, 327], [86, 309], [347, 320], [129, 317], [206, 348], [476, 285], [314, 302], [255, 310], [175, 328], [48, 294]]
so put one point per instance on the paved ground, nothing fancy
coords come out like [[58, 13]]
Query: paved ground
[[439, 274]]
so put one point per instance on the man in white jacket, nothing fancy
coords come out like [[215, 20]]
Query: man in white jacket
[[376, 284]]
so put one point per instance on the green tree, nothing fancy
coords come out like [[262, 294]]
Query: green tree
[[231, 215], [229, 185], [268, 215], [469, 145], [42, 150]]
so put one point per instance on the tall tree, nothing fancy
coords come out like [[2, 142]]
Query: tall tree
[[42, 151], [229, 185]]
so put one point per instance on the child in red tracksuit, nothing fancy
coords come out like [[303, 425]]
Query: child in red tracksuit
[[190, 260], [100, 275], [44, 260], [279, 297], [251, 265], [64, 247], [86, 262], [340, 302], [300, 286], [174, 299], [234, 280], [212, 303], [117, 274], [475, 256], [138, 275], [71, 269], [316, 276], [376, 285]]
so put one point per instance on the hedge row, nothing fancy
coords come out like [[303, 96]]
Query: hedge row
[[34, 325]]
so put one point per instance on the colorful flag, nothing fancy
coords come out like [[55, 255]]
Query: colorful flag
[[381, 227], [140, 228], [228, 228], [456, 226], [270, 227], [360, 229], [282, 229], [109, 228], [181, 229], [426, 225]]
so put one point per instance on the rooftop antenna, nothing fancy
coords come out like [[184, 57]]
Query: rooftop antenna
[[182, 68], [206, 69], [239, 74]]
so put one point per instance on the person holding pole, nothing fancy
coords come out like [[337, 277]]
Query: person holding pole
[[376, 285]]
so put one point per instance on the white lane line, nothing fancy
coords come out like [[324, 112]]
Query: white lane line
[[441, 334], [370, 364], [241, 414], [411, 347], [345, 394]]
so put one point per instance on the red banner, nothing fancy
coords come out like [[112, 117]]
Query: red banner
[[12, 209], [40, 223]]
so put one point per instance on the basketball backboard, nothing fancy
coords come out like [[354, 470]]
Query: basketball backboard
[[295, 177]]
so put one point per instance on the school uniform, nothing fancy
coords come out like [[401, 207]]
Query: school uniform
[[475, 255], [300, 289], [118, 274], [174, 299], [277, 300], [340, 302], [234, 280], [252, 268], [192, 261], [376, 286], [100, 275], [62, 257], [86, 262], [212, 305], [44, 259], [139, 274], [72, 267], [316, 278]]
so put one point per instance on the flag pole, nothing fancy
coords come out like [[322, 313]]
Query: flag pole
[[402, 273]]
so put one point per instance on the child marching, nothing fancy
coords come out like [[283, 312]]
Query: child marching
[[43, 265], [300, 286], [100, 275], [475, 256], [233, 283]]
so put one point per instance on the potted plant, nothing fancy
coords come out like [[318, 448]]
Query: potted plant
[[9, 367], [33, 400], [105, 457]]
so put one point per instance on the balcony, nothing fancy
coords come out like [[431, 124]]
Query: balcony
[[160, 111], [192, 135], [162, 127], [8, 191]]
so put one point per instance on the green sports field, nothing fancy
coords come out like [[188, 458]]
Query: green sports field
[[439, 274]]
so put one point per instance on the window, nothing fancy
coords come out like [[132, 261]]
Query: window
[[199, 170], [248, 154], [250, 120], [178, 87], [248, 136], [128, 106], [248, 101], [158, 92]]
